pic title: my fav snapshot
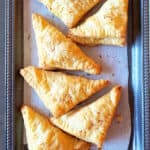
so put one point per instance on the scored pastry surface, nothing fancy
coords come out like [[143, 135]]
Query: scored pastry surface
[[55, 51], [58, 91], [42, 135], [69, 11], [91, 122], [107, 26]]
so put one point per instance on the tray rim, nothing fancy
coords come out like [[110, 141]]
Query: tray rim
[[140, 138]]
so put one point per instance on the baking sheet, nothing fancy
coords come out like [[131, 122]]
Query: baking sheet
[[115, 68]]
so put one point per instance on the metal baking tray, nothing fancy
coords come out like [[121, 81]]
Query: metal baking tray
[[11, 60]]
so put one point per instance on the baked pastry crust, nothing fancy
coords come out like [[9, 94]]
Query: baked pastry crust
[[57, 51], [42, 135], [69, 11], [58, 91], [94, 42], [107, 26], [91, 122]]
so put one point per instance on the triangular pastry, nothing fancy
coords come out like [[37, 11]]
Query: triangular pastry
[[57, 51], [42, 135], [107, 26], [69, 11], [58, 91], [91, 122]]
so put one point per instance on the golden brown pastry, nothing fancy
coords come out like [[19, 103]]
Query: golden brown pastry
[[107, 26], [57, 51], [69, 11], [58, 91], [42, 135], [91, 122]]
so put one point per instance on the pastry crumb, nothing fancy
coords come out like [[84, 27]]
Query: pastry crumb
[[29, 36], [118, 118], [100, 56], [113, 74]]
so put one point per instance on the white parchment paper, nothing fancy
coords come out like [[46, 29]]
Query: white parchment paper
[[115, 68]]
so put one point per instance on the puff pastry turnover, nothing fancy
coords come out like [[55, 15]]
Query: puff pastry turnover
[[42, 135], [69, 11], [57, 51], [107, 26], [58, 91], [91, 122]]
